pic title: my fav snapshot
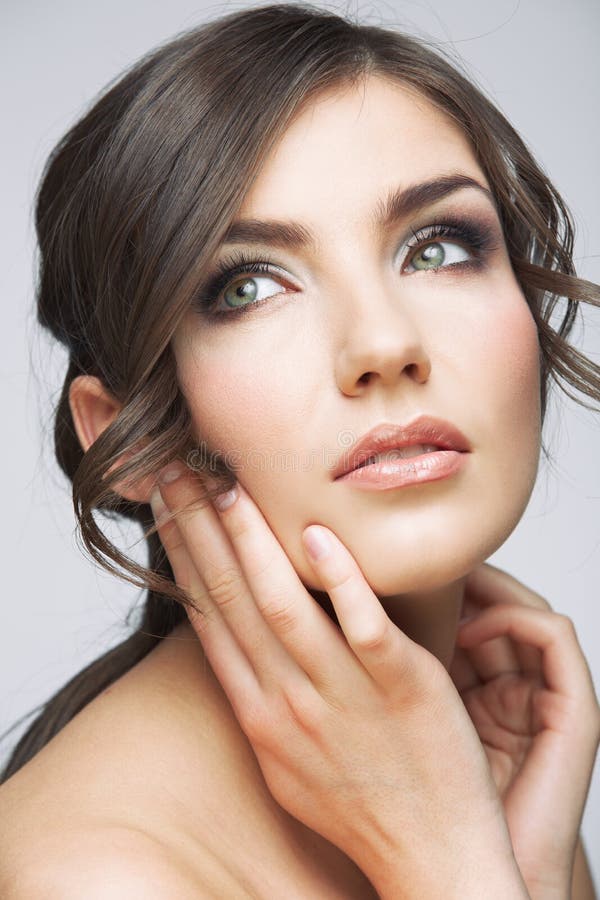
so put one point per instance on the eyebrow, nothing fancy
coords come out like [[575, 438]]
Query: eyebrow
[[398, 205]]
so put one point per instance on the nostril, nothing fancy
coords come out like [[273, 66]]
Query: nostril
[[364, 379]]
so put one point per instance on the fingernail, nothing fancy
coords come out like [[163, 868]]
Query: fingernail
[[209, 482], [224, 501], [465, 619], [170, 473], [317, 543], [159, 510]]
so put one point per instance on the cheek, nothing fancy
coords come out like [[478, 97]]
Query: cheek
[[509, 415], [510, 367], [214, 403], [249, 412]]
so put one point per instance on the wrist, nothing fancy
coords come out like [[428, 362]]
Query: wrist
[[492, 879], [468, 873]]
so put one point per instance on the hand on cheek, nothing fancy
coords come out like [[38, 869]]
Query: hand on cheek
[[359, 731]]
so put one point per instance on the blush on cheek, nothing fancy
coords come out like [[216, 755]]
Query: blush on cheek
[[235, 412], [524, 356], [510, 335], [214, 402], [525, 336], [514, 372], [505, 368]]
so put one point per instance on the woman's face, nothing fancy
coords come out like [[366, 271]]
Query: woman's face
[[282, 389]]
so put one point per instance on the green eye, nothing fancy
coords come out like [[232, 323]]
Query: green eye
[[429, 257], [436, 255], [246, 290]]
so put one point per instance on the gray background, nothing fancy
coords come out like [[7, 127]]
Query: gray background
[[538, 61]]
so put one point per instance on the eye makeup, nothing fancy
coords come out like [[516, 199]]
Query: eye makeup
[[237, 263], [478, 237]]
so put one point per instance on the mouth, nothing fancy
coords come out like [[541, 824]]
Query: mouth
[[400, 453], [426, 441]]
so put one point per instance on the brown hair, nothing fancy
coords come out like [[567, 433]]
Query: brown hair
[[132, 206]]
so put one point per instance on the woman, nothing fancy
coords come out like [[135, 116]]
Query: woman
[[307, 725]]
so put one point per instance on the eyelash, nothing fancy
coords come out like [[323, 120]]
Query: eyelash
[[474, 236]]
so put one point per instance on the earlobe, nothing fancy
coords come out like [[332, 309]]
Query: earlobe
[[93, 409]]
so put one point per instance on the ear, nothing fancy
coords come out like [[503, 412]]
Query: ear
[[94, 408]]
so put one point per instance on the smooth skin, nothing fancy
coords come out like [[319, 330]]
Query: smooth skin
[[349, 727], [520, 671]]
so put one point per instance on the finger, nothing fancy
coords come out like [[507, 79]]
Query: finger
[[308, 635], [474, 666], [488, 586], [214, 557], [564, 666], [224, 654], [483, 662], [385, 652], [492, 658], [283, 632]]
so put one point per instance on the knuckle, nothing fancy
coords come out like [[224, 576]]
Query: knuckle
[[279, 611], [224, 586], [256, 724], [565, 623], [303, 710], [373, 636], [343, 582]]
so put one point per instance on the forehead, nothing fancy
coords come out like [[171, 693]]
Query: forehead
[[348, 145]]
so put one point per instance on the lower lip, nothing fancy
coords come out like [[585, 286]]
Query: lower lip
[[382, 476]]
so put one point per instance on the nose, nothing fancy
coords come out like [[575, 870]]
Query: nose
[[380, 343]]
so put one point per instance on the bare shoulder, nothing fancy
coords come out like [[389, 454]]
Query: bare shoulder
[[155, 783], [116, 804], [114, 863]]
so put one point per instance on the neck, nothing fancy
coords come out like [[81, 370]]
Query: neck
[[429, 618]]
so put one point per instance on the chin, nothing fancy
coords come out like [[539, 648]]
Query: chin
[[426, 559], [421, 574]]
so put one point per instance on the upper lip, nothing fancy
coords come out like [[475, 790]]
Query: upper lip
[[388, 436]]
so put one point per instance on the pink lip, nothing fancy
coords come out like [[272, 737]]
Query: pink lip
[[384, 476], [388, 436]]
